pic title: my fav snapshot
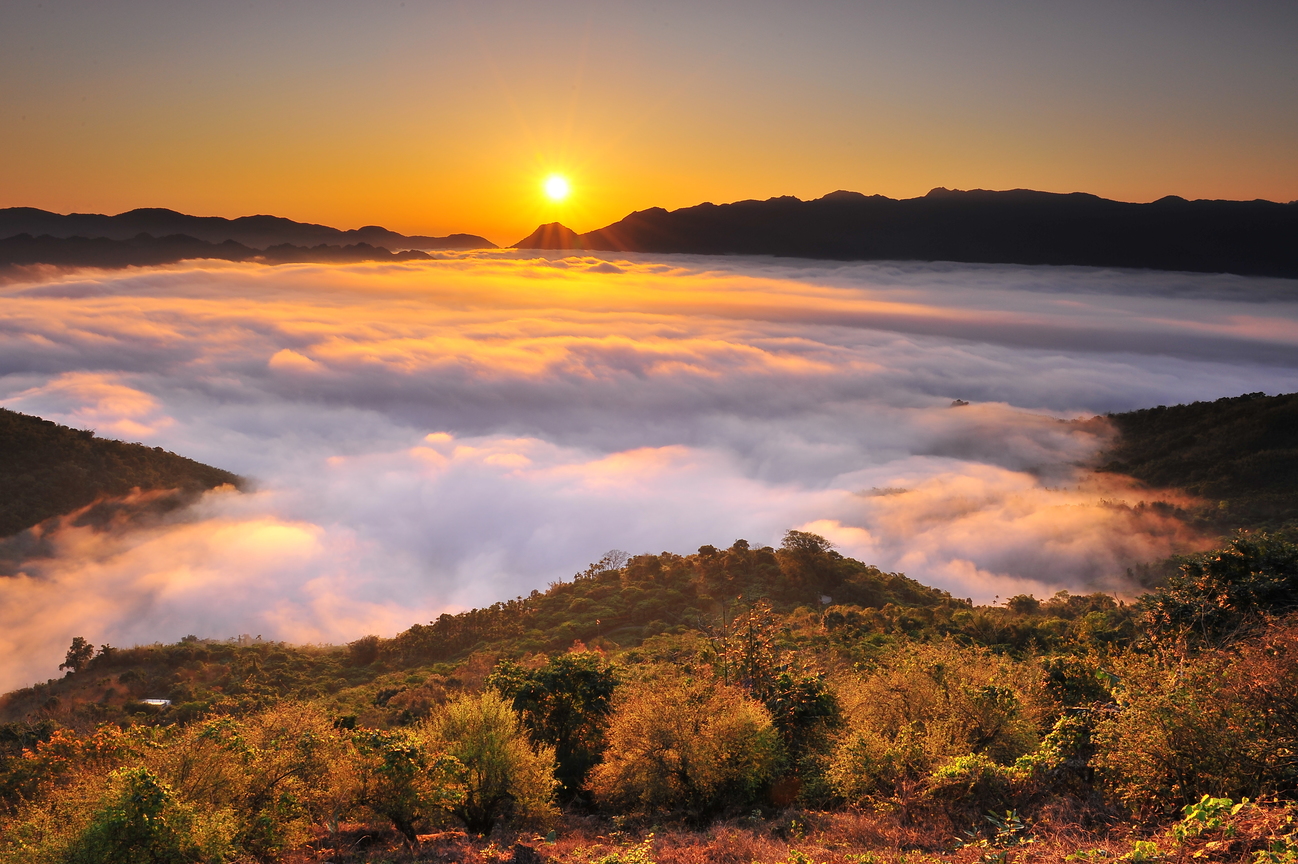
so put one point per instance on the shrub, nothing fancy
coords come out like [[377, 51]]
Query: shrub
[[929, 704], [1220, 724], [142, 821], [499, 773], [273, 770], [684, 746], [398, 776], [1220, 595]]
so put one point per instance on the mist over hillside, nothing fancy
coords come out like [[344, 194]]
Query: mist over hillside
[[433, 436]]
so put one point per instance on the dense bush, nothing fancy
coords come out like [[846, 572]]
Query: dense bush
[[1220, 723], [925, 705], [142, 821], [497, 773], [1225, 594], [565, 704], [396, 775], [691, 747]]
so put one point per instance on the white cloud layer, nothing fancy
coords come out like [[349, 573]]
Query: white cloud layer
[[430, 436]]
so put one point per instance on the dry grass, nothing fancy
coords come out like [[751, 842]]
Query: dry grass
[[848, 837], [798, 837]]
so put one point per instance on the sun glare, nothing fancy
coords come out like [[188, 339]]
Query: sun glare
[[556, 187]]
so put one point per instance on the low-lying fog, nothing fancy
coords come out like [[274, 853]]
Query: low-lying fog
[[432, 436]]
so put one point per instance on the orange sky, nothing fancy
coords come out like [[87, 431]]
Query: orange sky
[[434, 117]]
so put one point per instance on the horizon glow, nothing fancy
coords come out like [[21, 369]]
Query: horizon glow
[[434, 118]]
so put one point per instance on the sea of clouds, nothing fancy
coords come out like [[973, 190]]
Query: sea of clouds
[[430, 436]]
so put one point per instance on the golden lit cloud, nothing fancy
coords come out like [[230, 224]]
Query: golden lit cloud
[[429, 436]]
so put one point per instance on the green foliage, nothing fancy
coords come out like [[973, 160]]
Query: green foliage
[[1280, 850], [641, 853], [142, 823], [498, 773], [51, 470], [695, 748], [1238, 453], [1205, 815], [750, 654], [1219, 596], [565, 704], [1143, 852], [400, 777], [274, 770]]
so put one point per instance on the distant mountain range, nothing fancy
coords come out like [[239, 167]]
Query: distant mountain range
[[256, 232], [1252, 238], [145, 250], [1257, 238]]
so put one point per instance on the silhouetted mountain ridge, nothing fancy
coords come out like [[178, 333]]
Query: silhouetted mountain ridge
[[257, 232], [145, 250], [1018, 226]]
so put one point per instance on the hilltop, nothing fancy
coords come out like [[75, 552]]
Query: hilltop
[[154, 236], [1255, 238], [145, 250]]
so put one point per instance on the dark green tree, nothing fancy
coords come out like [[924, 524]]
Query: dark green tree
[[809, 564], [566, 704], [143, 823], [78, 655], [1222, 595]]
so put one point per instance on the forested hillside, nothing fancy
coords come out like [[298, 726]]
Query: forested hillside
[[1240, 454], [789, 714], [740, 704], [49, 470]]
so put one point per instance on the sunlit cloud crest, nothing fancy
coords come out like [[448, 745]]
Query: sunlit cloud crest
[[432, 436]]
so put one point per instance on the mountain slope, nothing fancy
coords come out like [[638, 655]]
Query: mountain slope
[[1239, 453], [1013, 227], [49, 470]]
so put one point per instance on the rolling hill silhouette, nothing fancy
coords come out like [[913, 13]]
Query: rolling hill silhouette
[[145, 250], [257, 232], [1256, 238]]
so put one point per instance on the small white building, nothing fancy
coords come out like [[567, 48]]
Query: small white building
[[156, 703]]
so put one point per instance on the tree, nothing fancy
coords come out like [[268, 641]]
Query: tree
[[498, 773], [273, 769], [925, 705], [566, 705], [809, 563], [78, 655], [802, 707], [693, 747], [401, 778], [1224, 594]]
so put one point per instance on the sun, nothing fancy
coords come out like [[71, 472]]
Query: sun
[[556, 187]]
